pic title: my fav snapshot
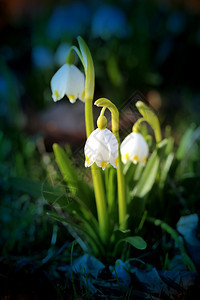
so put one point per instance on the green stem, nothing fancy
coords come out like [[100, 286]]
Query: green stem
[[71, 57], [89, 123], [151, 118], [121, 190], [136, 126], [103, 102], [97, 178]]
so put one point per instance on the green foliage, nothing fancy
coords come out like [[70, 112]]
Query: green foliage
[[88, 235], [149, 182], [135, 241]]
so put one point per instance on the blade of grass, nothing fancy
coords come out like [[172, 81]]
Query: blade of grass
[[186, 259], [87, 286], [72, 275]]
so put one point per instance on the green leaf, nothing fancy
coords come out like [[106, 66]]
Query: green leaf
[[38, 189], [165, 169], [54, 195], [162, 144], [66, 169], [138, 172], [148, 177], [76, 185], [135, 241], [187, 141], [129, 171], [121, 234], [81, 234]]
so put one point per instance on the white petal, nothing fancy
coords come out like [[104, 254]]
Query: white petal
[[58, 82], [127, 148], [143, 149], [91, 148], [97, 148], [103, 150], [89, 161], [75, 84], [113, 146], [134, 148]]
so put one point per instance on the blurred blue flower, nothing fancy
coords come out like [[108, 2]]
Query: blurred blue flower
[[164, 50], [71, 19], [3, 87], [42, 57], [109, 21], [61, 53], [176, 22], [3, 95]]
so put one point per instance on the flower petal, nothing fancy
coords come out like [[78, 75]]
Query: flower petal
[[58, 82], [113, 146], [102, 158], [134, 148], [102, 148], [75, 88]]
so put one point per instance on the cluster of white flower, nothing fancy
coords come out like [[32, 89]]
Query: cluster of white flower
[[101, 146]]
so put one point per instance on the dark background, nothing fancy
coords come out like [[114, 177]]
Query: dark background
[[148, 48]]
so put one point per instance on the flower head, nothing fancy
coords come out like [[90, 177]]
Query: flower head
[[102, 148], [70, 81], [134, 148]]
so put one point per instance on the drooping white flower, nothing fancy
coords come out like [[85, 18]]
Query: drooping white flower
[[102, 148], [134, 148], [70, 81]]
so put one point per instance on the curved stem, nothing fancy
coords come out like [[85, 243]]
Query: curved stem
[[136, 126], [70, 56], [151, 118]]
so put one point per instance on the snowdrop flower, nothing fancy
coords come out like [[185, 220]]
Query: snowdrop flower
[[102, 148], [134, 148], [70, 81]]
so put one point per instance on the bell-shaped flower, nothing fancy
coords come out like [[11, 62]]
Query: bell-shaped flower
[[134, 148], [102, 148], [70, 81]]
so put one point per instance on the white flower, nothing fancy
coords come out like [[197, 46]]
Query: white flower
[[102, 148], [70, 81], [134, 148]]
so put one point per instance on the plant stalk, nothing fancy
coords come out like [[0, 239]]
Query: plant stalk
[[89, 123], [121, 190]]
